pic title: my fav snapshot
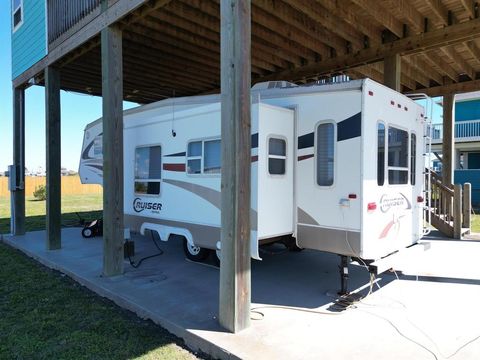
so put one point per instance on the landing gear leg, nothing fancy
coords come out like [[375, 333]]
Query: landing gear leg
[[343, 268]]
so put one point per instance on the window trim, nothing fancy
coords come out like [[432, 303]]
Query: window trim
[[388, 168], [148, 180], [315, 147], [201, 158], [279, 137], [385, 152], [410, 157], [13, 11]]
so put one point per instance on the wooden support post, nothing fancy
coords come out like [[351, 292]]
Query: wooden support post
[[457, 211], [235, 286], [467, 205], [53, 161], [392, 72], [448, 144], [18, 193], [112, 93]]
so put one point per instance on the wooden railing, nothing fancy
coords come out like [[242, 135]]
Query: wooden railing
[[63, 15], [449, 206]]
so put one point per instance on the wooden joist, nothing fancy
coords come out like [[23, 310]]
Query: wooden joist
[[410, 45]]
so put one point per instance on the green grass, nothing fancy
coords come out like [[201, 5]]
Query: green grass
[[88, 206], [46, 315], [475, 223]]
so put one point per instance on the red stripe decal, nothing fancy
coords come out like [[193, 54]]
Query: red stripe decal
[[174, 167], [254, 158], [304, 157]]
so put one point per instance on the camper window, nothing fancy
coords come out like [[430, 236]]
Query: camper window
[[413, 156], [277, 155], [380, 154], [325, 154], [98, 147], [148, 168], [204, 157], [194, 154], [397, 156], [212, 161]]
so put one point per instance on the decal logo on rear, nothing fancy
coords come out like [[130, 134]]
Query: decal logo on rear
[[397, 201], [139, 205]]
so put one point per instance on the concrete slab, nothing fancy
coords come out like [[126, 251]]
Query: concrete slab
[[291, 295]]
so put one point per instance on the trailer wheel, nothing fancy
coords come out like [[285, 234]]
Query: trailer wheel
[[194, 253], [87, 233]]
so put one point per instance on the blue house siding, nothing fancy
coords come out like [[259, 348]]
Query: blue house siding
[[472, 177], [467, 110], [29, 42]]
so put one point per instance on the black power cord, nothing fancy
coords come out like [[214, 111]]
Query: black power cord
[[137, 265]]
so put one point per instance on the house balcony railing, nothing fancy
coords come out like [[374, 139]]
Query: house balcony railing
[[464, 131], [66, 16]]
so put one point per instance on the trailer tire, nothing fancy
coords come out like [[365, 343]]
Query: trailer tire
[[194, 253], [87, 233]]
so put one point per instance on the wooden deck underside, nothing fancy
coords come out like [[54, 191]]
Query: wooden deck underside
[[172, 47]]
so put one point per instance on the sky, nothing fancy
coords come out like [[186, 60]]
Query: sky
[[77, 110]]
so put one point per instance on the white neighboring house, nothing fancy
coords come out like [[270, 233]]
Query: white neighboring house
[[336, 168]]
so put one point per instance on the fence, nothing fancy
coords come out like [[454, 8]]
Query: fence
[[464, 130], [71, 185]]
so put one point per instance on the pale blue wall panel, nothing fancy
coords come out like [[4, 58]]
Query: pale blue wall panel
[[29, 44]]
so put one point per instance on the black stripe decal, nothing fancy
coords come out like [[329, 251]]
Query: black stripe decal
[[176, 154], [306, 141], [350, 128]]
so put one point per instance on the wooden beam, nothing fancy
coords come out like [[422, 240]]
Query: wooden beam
[[444, 67], [405, 10], [112, 97], [456, 88], [53, 160], [424, 69], [459, 62], [448, 142], [473, 49], [411, 45], [325, 19], [235, 287], [381, 15], [410, 70], [469, 6], [344, 13], [392, 72], [18, 193], [439, 10]]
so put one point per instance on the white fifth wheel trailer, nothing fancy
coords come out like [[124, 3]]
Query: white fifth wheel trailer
[[337, 168]]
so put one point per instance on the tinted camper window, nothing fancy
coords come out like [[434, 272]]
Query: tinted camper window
[[212, 161], [204, 157], [277, 156], [380, 154], [413, 155], [397, 156], [325, 154], [194, 160], [148, 169]]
